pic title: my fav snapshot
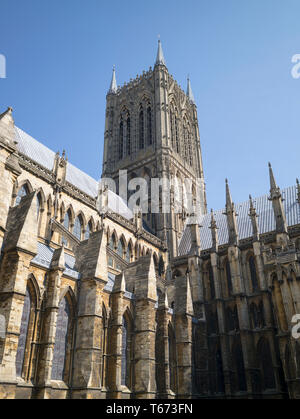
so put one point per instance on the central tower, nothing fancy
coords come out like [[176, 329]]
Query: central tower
[[151, 130]]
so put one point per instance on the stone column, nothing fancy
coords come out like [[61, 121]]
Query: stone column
[[183, 332], [162, 350], [114, 378], [144, 342], [49, 320], [19, 247], [88, 348]]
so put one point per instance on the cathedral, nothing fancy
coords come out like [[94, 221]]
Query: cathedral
[[100, 300]]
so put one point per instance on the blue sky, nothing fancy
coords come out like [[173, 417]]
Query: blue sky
[[238, 54]]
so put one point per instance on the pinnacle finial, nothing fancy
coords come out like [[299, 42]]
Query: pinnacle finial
[[189, 91], [160, 59], [113, 85], [272, 179], [229, 203]]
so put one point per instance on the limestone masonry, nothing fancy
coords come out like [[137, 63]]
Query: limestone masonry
[[120, 304]]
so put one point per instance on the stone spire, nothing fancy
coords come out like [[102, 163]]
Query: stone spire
[[231, 218], [253, 216], [160, 59], [189, 91], [214, 232], [113, 85], [277, 201]]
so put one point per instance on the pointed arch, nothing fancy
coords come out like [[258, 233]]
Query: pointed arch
[[141, 128], [26, 351], [126, 364], [61, 362], [253, 273], [24, 188]]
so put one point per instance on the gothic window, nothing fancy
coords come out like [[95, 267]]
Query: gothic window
[[141, 130], [149, 126], [78, 226], [253, 274], [121, 139], [172, 129], [266, 367], [125, 365], [254, 316], [23, 334], [261, 315], [61, 341], [66, 224], [128, 137], [23, 191], [177, 135], [185, 143], [112, 242], [88, 230], [120, 249], [38, 204], [190, 150], [128, 253]]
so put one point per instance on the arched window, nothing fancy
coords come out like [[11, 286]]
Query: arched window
[[23, 334], [254, 316], [23, 191], [121, 139], [128, 138], [61, 341], [141, 130], [253, 274], [266, 367], [125, 366], [78, 225], [66, 224], [88, 230], [120, 249], [38, 204], [177, 135], [128, 253], [228, 277], [261, 315], [149, 126], [172, 129], [190, 150]]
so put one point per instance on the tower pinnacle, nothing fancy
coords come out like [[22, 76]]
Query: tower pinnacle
[[113, 85], [160, 59], [189, 91]]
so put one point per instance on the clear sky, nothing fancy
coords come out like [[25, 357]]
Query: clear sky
[[238, 53]]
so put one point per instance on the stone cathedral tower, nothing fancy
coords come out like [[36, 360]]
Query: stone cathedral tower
[[152, 132]]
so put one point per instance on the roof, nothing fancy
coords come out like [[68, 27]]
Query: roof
[[45, 157], [266, 220], [44, 258]]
